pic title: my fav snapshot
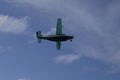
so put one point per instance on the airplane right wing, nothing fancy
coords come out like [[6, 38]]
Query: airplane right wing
[[58, 45], [59, 26]]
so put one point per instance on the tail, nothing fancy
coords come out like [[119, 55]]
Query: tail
[[38, 35]]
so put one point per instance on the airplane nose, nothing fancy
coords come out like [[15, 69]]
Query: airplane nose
[[71, 37]]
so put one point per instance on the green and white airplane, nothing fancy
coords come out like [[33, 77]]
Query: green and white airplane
[[58, 37]]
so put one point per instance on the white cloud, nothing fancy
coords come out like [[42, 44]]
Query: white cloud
[[23, 79], [46, 4], [13, 25], [5, 48], [115, 58], [89, 68], [52, 31], [115, 69], [69, 58]]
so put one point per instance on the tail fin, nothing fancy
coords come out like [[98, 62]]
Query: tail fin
[[38, 35]]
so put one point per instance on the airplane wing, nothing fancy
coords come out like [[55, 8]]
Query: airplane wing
[[58, 32], [59, 26], [58, 45]]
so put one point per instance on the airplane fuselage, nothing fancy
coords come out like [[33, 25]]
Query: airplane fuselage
[[58, 38], [61, 37]]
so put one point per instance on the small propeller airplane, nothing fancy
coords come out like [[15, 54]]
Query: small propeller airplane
[[58, 37]]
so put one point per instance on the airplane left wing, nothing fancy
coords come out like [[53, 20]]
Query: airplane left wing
[[59, 26]]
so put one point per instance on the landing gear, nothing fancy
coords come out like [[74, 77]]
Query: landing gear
[[71, 40]]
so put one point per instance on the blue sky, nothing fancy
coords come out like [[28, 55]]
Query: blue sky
[[94, 53]]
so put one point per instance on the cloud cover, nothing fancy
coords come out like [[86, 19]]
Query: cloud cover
[[23, 79], [95, 24], [13, 25], [5, 48], [67, 59]]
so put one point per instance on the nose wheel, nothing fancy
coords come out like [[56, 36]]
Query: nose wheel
[[71, 40]]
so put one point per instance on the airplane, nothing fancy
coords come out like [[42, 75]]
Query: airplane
[[58, 37]]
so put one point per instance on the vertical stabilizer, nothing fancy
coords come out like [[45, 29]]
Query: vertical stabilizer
[[38, 35]]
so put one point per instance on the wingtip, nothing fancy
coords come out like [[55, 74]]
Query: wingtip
[[59, 19]]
